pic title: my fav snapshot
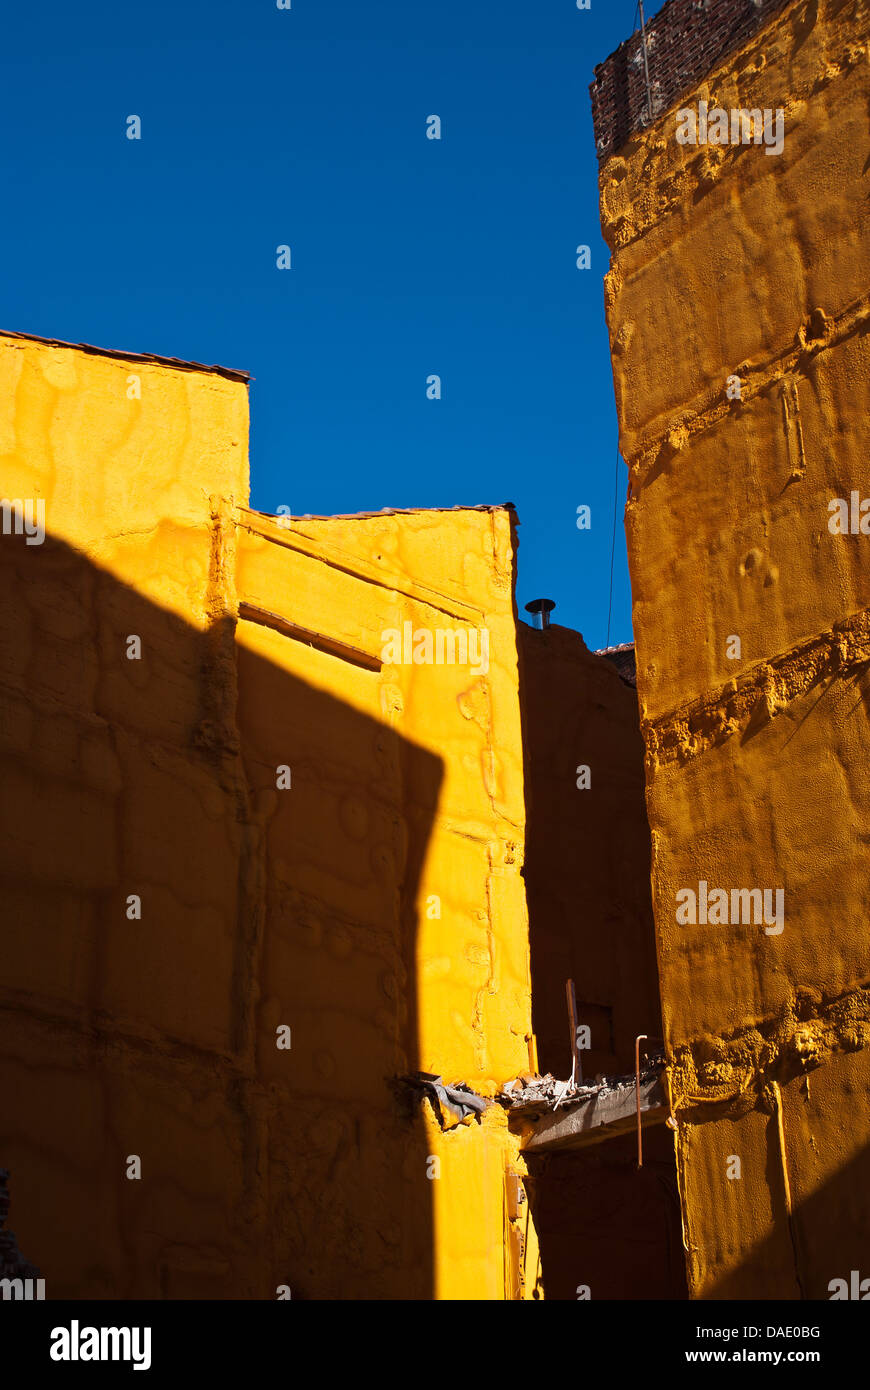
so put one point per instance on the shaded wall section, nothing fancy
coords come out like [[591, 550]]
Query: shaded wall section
[[603, 1225], [607, 1227], [156, 1037], [587, 865]]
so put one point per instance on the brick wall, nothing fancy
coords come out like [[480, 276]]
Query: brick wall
[[685, 41]]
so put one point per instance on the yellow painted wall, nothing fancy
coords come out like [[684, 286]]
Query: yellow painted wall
[[307, 907], [730, 261]]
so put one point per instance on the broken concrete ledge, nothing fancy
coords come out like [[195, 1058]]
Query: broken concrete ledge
[[609, 1110], [547, 1114]]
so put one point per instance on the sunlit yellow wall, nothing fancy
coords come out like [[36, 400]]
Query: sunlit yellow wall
[[313, 907], [728, 261], [485, 1251], [126, 477], [416, 893]]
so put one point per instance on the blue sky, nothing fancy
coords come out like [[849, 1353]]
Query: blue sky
[[411, 257]]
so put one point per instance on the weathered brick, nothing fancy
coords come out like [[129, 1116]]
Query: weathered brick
[[685, 40]]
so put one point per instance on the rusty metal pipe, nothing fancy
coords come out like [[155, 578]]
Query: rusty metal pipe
[[576, 1064]]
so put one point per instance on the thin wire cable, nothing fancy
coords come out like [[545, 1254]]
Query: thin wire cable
[[616, 474], [613, 543]]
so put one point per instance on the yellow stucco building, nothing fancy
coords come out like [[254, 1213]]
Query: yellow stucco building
[[252, 870], [270, 783]]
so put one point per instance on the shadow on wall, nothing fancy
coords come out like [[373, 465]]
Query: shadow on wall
[[600, 1222], [588, 853], [155, 1035], [820, 1246], [607, 1226]]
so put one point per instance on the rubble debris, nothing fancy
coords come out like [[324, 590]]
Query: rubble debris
[[553, 1114], [533, 1097], [544, 1093], [454, 1105]]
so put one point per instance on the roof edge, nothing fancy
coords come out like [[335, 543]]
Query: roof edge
[[387, 511], [230, 373]]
